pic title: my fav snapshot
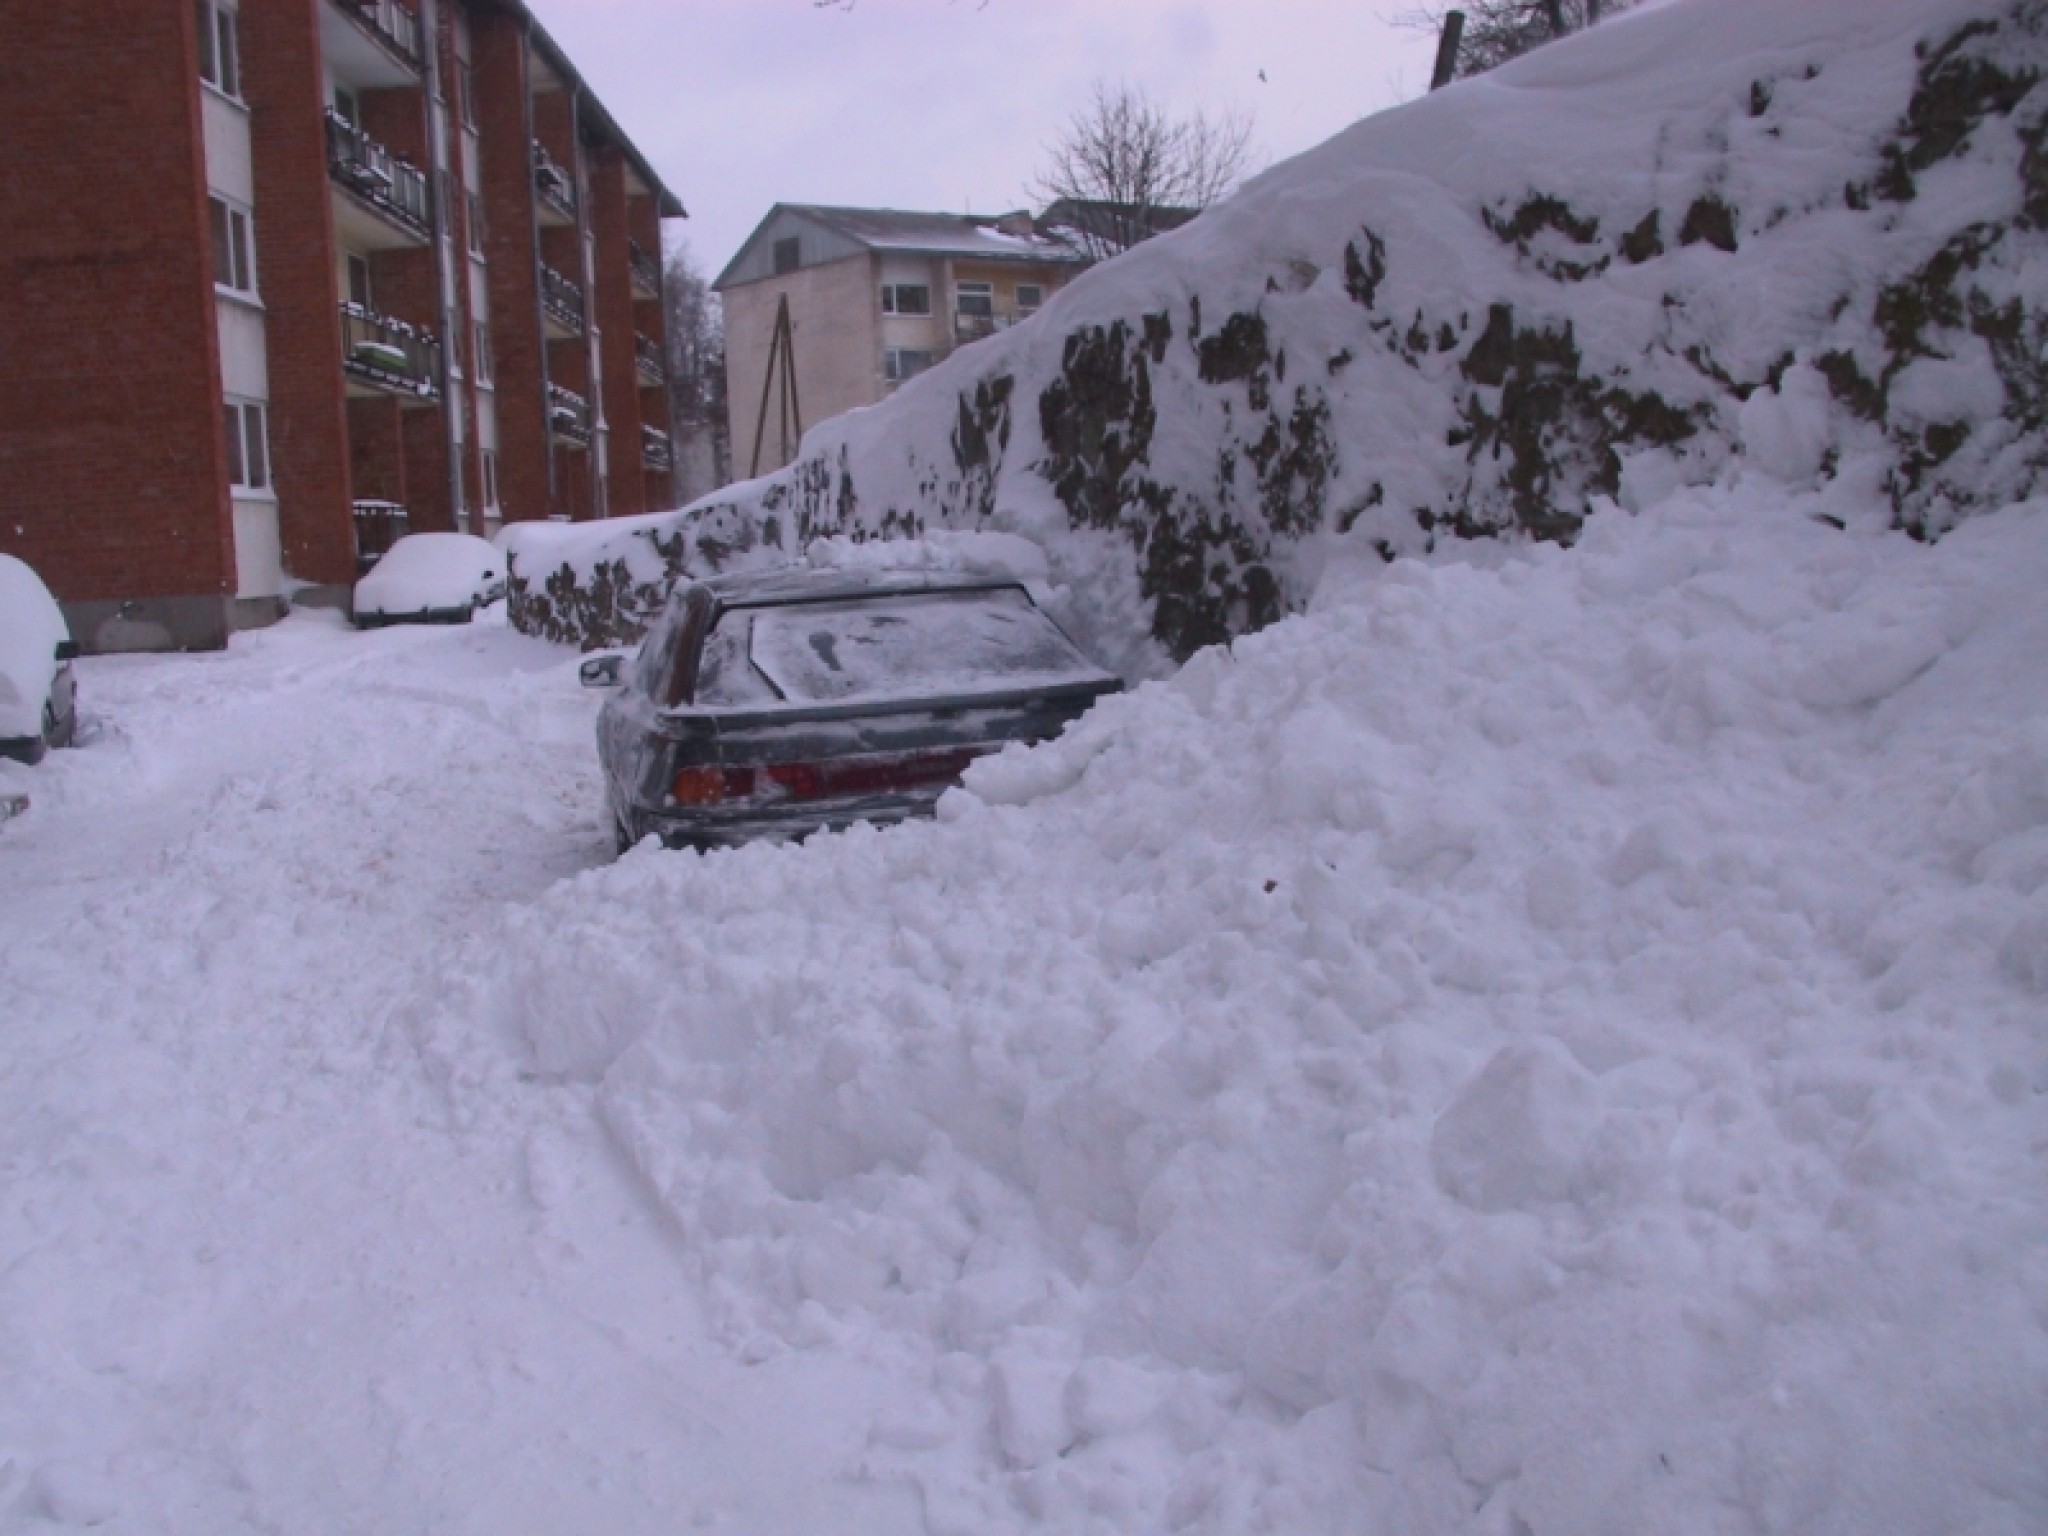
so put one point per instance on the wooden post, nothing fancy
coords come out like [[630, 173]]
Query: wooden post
[[1447, 49], [782, 356]]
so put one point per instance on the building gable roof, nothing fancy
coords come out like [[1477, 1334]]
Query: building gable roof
[[977, 236]]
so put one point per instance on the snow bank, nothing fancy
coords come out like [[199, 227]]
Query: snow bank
[[1706, 233], [1542, 1043]]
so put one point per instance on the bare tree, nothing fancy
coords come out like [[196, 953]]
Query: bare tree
[[1499, 30], [696, 377], [1124, 169]]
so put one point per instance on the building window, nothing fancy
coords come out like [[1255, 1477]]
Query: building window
[[906, 299], [483, 353], [490, 479], [476, 223], [788, 255], [976, 299], [220, 60], [900, 363], [234, 254], [1029, 297], [359, 280], [465, 83], [248, 445], [348, 106]]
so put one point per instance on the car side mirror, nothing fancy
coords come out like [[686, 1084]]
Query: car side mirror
[[67, 650], [601, 671]]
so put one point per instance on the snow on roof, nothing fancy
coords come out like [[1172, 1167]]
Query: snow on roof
[[957, 234]]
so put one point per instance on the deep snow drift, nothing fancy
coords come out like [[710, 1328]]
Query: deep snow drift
[[1542, 1042], [1548, 1042], [1702, 234]]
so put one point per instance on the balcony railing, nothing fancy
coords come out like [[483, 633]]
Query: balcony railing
[[389, 353], [359, 163], [656, 450], [561, 298], [568, 414], [379, 525], [974, 327], [646, 270], [647, 357], [392, 24], [556, 188]]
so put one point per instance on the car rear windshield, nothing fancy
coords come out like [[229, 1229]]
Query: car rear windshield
[[922, 645]]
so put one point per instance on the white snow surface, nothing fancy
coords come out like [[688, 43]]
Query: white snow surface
[[1546, 1042], [31, 628], [1543, 1042], [1549, 1042]]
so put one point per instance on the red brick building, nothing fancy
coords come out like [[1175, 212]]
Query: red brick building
[[289, 277]]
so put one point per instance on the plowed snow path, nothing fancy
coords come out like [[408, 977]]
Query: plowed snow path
[[251, 1278]]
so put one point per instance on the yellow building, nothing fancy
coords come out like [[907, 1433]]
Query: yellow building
[[875, 296]]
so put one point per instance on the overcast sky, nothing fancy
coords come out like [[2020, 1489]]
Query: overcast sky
[[948, 104]]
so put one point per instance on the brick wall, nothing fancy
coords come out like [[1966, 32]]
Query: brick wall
[[295, 252], [626, 488], [375, 449], [112, 470], [500, 72]]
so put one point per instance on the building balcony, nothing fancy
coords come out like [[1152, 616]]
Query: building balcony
[[554, 187], [647, 358], [968, 327], [561, 301], [394, 28], [646, 270], [379, 525], [657, 451], [568, 415], [385, 356], [391, 188]]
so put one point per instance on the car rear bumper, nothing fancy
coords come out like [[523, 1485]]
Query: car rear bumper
[[460, 615], [709, 829]]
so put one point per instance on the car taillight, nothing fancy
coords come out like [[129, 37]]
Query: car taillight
[[708, 786], [869, 775]]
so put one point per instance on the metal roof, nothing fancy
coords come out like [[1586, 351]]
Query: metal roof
[[977, 236]]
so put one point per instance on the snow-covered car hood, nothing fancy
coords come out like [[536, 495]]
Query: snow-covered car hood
[[31, 628], [432, 573]]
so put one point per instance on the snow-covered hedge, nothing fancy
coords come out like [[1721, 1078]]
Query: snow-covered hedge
[[1809, 234]]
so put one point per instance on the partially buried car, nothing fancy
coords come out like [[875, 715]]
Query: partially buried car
[[430, 578], [773, 704], [38, 698]]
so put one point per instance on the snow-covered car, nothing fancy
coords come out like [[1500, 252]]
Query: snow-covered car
[[38, 696], [430, 578], [774, 704]]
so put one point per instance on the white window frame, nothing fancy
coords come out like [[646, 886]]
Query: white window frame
[[892, 298], [892, 362], [1037, 301], [246, 429], [485, 367], [974, 288], [351, 263], [220, 48], [490, 479], [240, 223]]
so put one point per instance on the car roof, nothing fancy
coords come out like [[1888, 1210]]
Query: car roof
[[803, 583]]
